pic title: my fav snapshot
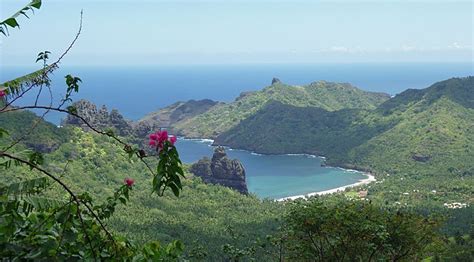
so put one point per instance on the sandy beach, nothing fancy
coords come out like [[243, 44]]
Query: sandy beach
[[370, 178]]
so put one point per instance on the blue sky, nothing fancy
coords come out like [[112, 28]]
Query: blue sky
[[138, 32]]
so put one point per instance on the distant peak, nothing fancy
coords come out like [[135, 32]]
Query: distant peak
[[275, 81]]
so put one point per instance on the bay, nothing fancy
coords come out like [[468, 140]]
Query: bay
[[276, 176]]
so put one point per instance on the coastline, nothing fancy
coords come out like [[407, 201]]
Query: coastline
[[369, 177]]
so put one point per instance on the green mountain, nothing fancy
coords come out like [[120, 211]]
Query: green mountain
[[172, 114], [42, 136], [321, 94], [424, 135]]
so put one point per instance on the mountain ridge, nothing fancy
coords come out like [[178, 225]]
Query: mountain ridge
[[346, 125], [326, 95]]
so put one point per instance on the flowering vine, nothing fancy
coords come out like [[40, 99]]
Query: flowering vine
[[169, 170]]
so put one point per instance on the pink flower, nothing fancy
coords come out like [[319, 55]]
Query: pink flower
[[2, 93], [129, 182], [162, 136], [172, 139], [153, 137], [159, 138]]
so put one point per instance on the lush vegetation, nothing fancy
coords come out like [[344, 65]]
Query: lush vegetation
[[419, 143], [68, 194], [204, 217], [340, 230], [215, 222], [44, 218], [325, 95], [47, 137]]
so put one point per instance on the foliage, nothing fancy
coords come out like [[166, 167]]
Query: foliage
[[325, 95], [37, 223], [341, 230], [34, 227], [200, 217], [12, 20], [45, 137]]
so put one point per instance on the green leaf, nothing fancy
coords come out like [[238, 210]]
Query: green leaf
[[3, 132], [174, 188], [36, 4], [27, 187], [72, 109], [36, 158], [11, 22]]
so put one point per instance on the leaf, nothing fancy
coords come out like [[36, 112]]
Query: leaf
[[11, 22], [36, 4], [72, 109], [36, 158], [3, 132], [123, 200], [16, 85], [43, 203], [174, 188], [27, 187]]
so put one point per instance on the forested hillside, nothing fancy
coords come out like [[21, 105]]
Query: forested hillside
[[325, 95], [424, 136]]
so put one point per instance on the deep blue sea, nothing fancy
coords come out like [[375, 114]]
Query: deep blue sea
[[136, 91]]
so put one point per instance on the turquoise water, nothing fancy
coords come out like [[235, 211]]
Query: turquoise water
[[276, 176]]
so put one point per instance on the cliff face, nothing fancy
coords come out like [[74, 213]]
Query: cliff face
[[221, 170], [100, 119]]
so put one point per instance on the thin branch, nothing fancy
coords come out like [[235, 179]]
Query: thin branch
[[49, 68], [73, 41], [85, 231], [57, 109]]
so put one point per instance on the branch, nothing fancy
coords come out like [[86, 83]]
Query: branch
[[57, 109], [65, 187], [37, 80]]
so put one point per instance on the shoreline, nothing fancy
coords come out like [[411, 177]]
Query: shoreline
[[369, 177], [211, 143]]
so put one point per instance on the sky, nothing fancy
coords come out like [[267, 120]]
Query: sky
[[121, 32]]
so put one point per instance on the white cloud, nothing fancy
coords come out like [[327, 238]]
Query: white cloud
[[457, 46]]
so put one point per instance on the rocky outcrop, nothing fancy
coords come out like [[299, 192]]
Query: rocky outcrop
[[275, 81], [100, 119], [421, 158], [221, 170]]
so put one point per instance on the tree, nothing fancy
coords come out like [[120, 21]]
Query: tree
[[343, 230]]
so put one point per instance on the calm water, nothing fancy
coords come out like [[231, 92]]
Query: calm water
[[136, 91], [276, 176]]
